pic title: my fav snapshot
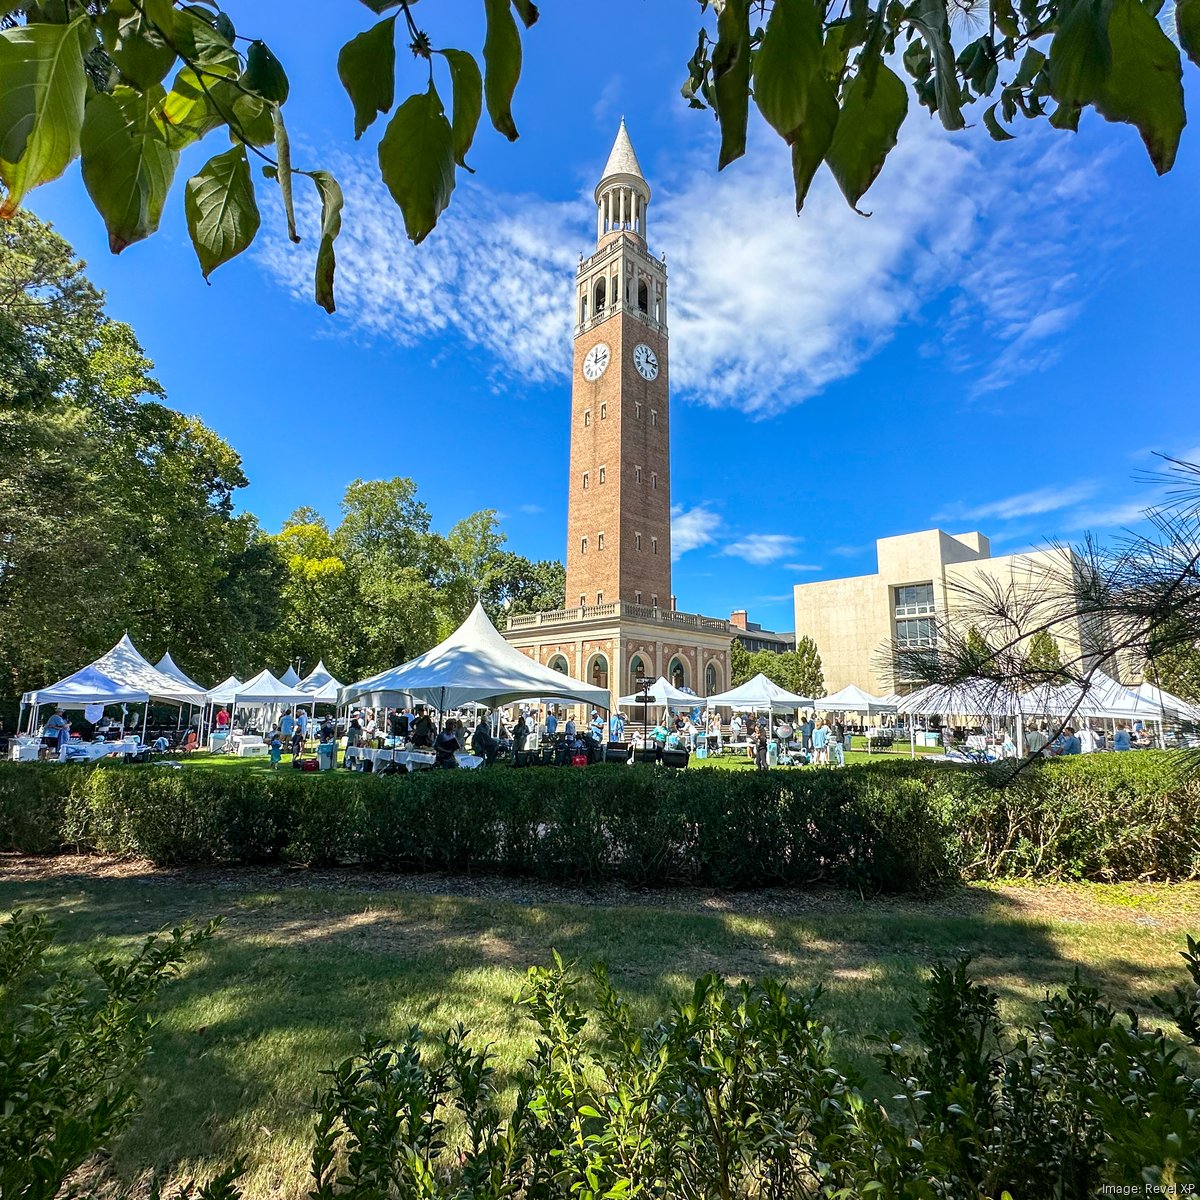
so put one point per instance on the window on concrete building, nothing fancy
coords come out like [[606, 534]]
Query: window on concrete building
[[604, 412], [587, 416], [583, 545], [599, 541], [602, 473], [599, 597], [914, 600], [916, 633], [586, 480]]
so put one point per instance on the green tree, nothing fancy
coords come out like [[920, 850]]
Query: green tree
[[1043, 658], [531, 587], [116, 513], [808, 676], [1174, 661], [739, 663], [92, 79]]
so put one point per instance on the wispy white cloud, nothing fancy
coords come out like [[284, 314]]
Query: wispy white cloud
[[766, 308], [803, 567], [496, 273], [530, 510], [692, 528], [762, 548], [1024, 504]]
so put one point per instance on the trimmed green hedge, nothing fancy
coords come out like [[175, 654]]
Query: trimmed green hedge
[[895, 825]]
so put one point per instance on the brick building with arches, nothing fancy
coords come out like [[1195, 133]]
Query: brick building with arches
[[621, 619]]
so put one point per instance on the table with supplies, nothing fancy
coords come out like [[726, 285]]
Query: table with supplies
[[412, 760]]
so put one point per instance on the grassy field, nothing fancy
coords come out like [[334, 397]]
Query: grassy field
[[307, 960]]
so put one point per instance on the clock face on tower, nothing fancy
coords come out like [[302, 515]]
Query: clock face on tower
[[596, 362], [645, 360]]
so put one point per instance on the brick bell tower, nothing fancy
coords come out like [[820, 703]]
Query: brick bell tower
[[619, 499]]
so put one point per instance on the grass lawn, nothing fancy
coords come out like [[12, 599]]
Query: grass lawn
[[306, 960]]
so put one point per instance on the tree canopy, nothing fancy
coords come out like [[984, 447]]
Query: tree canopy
[[798, 670], [118, 514], [126, 85]]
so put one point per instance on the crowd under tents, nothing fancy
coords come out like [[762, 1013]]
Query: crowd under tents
[[473, 665]]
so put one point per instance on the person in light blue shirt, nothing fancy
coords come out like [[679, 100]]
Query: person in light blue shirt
[[551, 724], [616, 725], [596, 726], [286, 724], [1121, 739], [1068, 741]]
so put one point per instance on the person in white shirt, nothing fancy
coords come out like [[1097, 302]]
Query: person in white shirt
[[1088, 741]]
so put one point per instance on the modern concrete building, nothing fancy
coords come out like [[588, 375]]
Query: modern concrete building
[[754, 637], [622, 622], [923, 579]]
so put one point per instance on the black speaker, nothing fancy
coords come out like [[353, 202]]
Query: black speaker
[[616, 752], [646, 754], [675, 758]]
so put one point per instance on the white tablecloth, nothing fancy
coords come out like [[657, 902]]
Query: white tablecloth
[[412, 759], [24, 749], [90, 751]]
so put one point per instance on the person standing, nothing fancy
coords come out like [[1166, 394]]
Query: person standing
[[551, 723], [1035, 740], [760, 748], [806, 734], [276, 751], [616, 726], [302, 726], [570, 729], [447, 745], [596, 725], [1121, 739], [58, 728], [422, 729], [820, 743], [520, 734]]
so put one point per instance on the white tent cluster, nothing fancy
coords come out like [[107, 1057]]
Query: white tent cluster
[[474, 665]]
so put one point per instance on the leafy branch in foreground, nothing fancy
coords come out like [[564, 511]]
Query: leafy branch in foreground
[[87, 79], [69, 1052]]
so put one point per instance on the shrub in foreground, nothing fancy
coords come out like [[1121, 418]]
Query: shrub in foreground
[[893, 826]]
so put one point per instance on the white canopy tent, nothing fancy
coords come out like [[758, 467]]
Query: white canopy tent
[[265, 689], [760, 695], [320, 685], [126, 665], [1165, 702], [224, 692], [167, 666], [473, 664], [982, 697], [85, 687], [663, 694], [853, 699], [289, 678]]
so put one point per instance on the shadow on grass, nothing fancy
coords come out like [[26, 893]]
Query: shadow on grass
[[296, 974]]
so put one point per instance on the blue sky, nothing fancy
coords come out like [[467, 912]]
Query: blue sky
[[1002, 345]]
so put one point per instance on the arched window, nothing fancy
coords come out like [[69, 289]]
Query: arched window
[[559, 664], [637, 670], [583, 308], [712, 682], [677, 673], [599, 671], [598, 296], [643, 296]]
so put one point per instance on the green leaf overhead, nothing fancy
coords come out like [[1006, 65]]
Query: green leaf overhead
[[41, 105], [137, 41], [284, 173], [222, 215], [731, 78], [416, 159], [528, 12], [791, 87], [866, 131], [468, 101], [331, 225], [1187, 26], [127, 165], [367, 68], [502, 65], [1080, 53], [264, 74], [1145, 85], [930, 19]]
